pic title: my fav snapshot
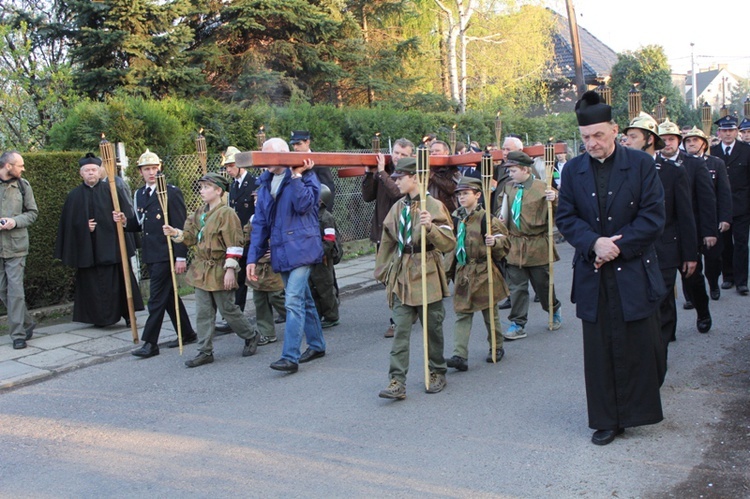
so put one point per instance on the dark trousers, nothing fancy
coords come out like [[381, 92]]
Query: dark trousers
[[736, 251], [714, 263], [668, 310], [161, 300], [695, 291], [240, 295]]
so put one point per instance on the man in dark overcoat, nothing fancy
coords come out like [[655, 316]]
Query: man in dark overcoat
[[611, 210]]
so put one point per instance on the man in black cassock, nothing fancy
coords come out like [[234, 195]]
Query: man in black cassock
[[87, 241], [611, 210]]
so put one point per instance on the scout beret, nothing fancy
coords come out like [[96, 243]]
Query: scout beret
[[216, 179]]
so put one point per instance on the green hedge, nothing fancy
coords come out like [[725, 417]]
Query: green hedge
[[169, 127], [51, 175]]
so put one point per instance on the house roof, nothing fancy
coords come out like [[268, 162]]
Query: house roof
[[598, 58]]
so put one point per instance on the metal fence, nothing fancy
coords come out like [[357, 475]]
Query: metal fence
[[352, 214]]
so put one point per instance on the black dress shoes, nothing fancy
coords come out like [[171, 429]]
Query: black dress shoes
[[186, 340], [727, 284], [604, 437], [704, 325], [504, 305], [19, 344], [688, 305], [310, 354], [742, 289], [284, 365], [146, 351], [715, 294]]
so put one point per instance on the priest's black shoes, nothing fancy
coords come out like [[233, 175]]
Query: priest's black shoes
[[185, 341], [743, 290], [727, 284], [704, 324], [715, 293], [604, 437], [311, 354], [284, 365], [146, 351]]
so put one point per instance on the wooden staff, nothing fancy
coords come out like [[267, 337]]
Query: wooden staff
[[423, 177], [161, 192], [487, 167], [107, 151], [549, 163]]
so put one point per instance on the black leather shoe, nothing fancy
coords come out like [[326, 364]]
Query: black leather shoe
[[715, 294], [704, 325], [457, 362], [185, 341], [280, 319], [688, 305], [504, 305], [604, 437], [536, 298], [310, 354], [284, 365], [727, 284], [251, 345], [146, 351], [742, 289], [19, 344]]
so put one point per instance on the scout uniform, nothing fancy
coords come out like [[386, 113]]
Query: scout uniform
[[268, 293], [323, 274], [467, 266], [398, 265], [525, 213], [217, 237]]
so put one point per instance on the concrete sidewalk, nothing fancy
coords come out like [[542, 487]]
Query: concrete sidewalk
[[62, 347]]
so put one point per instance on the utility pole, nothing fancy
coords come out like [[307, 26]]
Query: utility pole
[[695, 79], [576, 45]]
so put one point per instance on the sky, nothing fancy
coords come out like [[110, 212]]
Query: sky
[[717, 30]]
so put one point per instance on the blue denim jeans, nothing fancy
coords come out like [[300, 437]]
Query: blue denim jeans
[[301, 315]]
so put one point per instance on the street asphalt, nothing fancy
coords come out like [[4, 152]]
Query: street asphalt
[[94, 421]]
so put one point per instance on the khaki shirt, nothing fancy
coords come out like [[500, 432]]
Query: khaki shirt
[[268, 280], [21, 208], [529, 243], [222, 230], [471, 292], [402, 275]]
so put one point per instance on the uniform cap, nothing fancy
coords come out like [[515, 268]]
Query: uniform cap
[[216, 179], [518, 158], [299, 136], [728, 122], [745, 125], [405, 166], [469, 183]]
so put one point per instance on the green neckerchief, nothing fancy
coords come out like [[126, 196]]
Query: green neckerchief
[[515, 209], [404, 227]]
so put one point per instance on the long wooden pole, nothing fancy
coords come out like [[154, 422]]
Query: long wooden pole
[[487, 167], [423, 176], [107, 152], [549, 163], [161, 192]]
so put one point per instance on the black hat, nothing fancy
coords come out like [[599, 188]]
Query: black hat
[[89, 159], [590, 110], [728, 122], [469, 183], [518, 158], [745, 124], [216, 179], [299, 136], [405, 166]]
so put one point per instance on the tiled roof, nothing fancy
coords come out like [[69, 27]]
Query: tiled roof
[[598, 58]]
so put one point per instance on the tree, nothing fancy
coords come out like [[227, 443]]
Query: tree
[[649, 68], [136, 45], [36, 80]]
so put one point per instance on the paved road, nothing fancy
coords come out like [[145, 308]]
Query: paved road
[[135, 428]]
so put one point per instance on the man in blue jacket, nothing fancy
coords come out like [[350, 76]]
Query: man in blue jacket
[[286, 223], [611, 210]]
